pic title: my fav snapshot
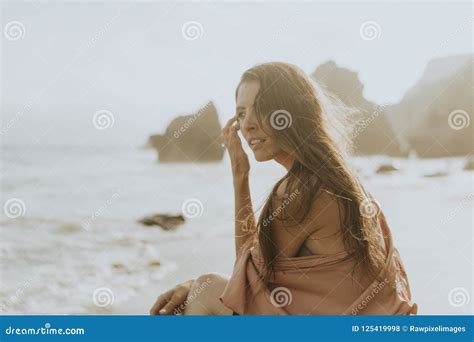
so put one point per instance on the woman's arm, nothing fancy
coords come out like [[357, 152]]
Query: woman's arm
[[245, 223], [244, 216]]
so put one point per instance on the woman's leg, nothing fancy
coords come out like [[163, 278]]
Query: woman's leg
[[203, 298]]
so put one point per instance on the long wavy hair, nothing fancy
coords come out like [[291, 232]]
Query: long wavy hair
[[306, 122]]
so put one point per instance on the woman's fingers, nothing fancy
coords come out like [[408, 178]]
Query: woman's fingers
[[229, 123], [229, 132], [167, 303], [232, 141], [171, 305], [224, 132], [160, 302]]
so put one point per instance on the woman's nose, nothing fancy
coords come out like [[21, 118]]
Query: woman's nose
[[249, 123]]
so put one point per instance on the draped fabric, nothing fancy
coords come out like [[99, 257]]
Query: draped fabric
[[319, 285]]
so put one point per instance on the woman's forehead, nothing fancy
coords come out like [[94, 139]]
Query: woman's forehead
[[247, 93]]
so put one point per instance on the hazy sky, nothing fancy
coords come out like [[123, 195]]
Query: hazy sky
[[139, 62]]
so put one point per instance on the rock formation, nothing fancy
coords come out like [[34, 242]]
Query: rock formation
[[191, 138], [372, 132], [436, 115], [386, 168], [165, 221], [469, 164]]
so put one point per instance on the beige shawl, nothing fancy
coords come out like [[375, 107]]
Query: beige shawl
[[319, 285]]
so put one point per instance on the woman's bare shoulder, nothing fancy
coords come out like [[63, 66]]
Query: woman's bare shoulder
[[326, 211]]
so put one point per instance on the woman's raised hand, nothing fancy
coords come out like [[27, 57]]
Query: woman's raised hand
[[238, 157]]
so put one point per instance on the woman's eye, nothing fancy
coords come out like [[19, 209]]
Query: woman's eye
[[240, 115]]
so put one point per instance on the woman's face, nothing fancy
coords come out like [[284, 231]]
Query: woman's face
[[263, 146]]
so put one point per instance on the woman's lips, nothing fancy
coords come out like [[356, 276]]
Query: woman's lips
[[256, 143]]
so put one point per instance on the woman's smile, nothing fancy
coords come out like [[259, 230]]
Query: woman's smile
[[256, 143]]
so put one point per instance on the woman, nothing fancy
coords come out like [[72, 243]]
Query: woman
[[321, 245]]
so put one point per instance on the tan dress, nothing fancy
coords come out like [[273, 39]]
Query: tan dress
[[319, 285]]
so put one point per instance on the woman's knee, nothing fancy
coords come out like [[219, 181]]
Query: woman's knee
[[206, 291], [210, 284], [211, 280]]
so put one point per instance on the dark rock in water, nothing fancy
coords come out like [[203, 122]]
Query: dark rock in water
[[469, 165], [436, 174], [436, 115], [154, 263], [69, 228], [191, 138], [372, 132], [386, 168], [165, 221], [118, 266]]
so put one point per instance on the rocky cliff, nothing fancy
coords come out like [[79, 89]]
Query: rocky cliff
[[435, 115], [191, 138], [372, 132]]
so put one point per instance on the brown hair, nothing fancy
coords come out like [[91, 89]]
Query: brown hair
[[290, 107]]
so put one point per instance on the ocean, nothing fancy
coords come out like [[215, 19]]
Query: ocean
[[69, 228]]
